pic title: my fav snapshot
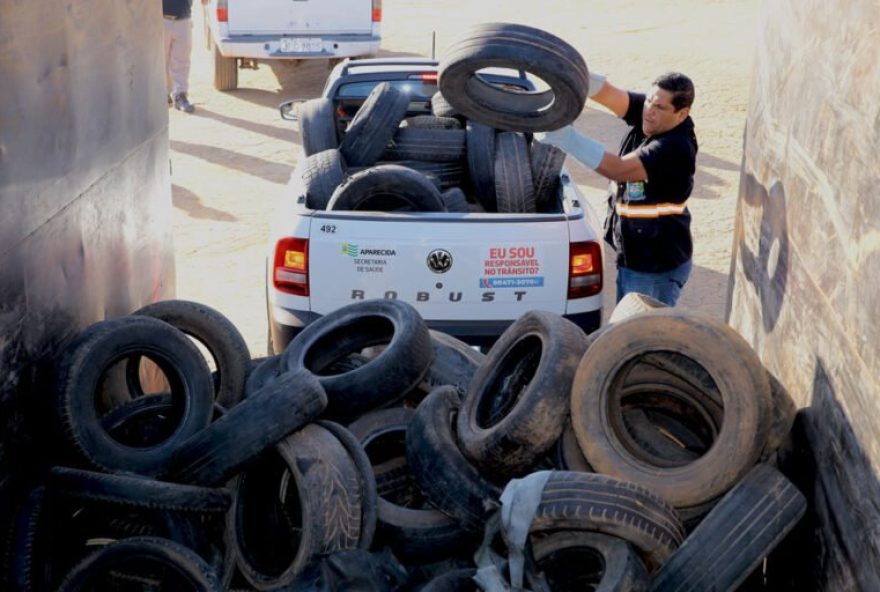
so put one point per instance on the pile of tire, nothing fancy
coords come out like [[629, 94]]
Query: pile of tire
[[474, 154], [374, 447]]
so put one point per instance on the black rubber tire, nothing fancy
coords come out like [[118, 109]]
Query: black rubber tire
[[27, 566], [516, 407], [440, 107], [591, 561], [745, 525], [546, 161], [217, 333], [142, 422], [394, 372], [369, 497], [136, 492], [308, 503], [481, 163], [174, 557], [387, 188], [374, 125], [460, 580], [225, 72], [519, 47], [317, 126], [782, 414], [568, 455], [573, 500], [728, 359], [101, 346], [262, 372], [431, 145], [430, 122], [454, 363], [514, 188], [378, 432], [322, 173], [451, 483], [213, 455], [444, 175], [415, 534], [454, 200], [634, 303]]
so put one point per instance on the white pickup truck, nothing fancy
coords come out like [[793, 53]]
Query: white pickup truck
[[243, 32], [468, 273]]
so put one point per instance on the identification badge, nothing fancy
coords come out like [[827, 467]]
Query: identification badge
[[635, 191]]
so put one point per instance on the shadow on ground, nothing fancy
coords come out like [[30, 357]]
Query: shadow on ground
[[189, 202], [252, 165]]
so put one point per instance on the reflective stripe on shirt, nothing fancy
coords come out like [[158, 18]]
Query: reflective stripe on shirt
[[650, 211]]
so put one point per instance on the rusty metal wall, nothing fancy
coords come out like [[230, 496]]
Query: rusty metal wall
[[805, 274], [85, 198]]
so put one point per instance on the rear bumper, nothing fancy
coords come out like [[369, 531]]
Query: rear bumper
[[267, 47], [482, 333]]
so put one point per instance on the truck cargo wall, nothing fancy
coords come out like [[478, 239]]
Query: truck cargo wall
[[84, 188], [805, 275]]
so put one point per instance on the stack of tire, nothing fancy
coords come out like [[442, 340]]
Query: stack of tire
[[371, 432], [475, 153]]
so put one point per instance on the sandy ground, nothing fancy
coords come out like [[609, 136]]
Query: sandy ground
[[232, 157]]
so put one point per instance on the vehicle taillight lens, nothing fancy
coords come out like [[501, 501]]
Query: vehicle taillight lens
[[222, 11], [584, 269], [291, 270], [424, 77], [377, 11]]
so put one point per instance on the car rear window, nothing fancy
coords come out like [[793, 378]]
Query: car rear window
[[421, 90]]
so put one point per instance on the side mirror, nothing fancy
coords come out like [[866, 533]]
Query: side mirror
[[290, 109]]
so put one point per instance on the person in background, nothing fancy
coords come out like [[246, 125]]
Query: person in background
[[178, 50], [648, 222]]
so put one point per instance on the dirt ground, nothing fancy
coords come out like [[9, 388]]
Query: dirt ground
[[232, 157]]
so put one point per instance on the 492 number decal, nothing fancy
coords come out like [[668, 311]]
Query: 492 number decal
[[328, 228]]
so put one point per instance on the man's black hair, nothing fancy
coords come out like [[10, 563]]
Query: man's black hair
[[681, 87]]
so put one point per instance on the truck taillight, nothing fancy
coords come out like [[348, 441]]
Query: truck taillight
[[222, 11], [291, 270], [584, 269], [377, 11]]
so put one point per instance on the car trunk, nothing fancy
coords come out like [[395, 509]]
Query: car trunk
[[471, 268], [299, 17]]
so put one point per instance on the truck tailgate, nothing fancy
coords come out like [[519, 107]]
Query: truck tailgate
[[465, 268], [312, 17]]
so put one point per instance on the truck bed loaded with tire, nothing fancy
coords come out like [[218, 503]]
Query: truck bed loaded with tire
[[376, 454], [420, 181]]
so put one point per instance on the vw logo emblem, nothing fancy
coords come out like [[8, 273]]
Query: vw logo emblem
[[439, 261]]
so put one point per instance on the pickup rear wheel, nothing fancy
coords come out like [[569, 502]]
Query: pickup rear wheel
[[225, 71]]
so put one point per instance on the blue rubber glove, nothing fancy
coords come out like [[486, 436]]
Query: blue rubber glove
[[586, 150]]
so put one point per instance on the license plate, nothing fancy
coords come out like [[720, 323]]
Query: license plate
[[300, 44]]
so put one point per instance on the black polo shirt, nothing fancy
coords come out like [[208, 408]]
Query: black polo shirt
[[648, 224], [177, 8]]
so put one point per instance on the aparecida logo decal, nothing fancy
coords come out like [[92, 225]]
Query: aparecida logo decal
[[355, 251]]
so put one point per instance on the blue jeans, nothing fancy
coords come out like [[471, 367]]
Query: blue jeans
[[665, 286]]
